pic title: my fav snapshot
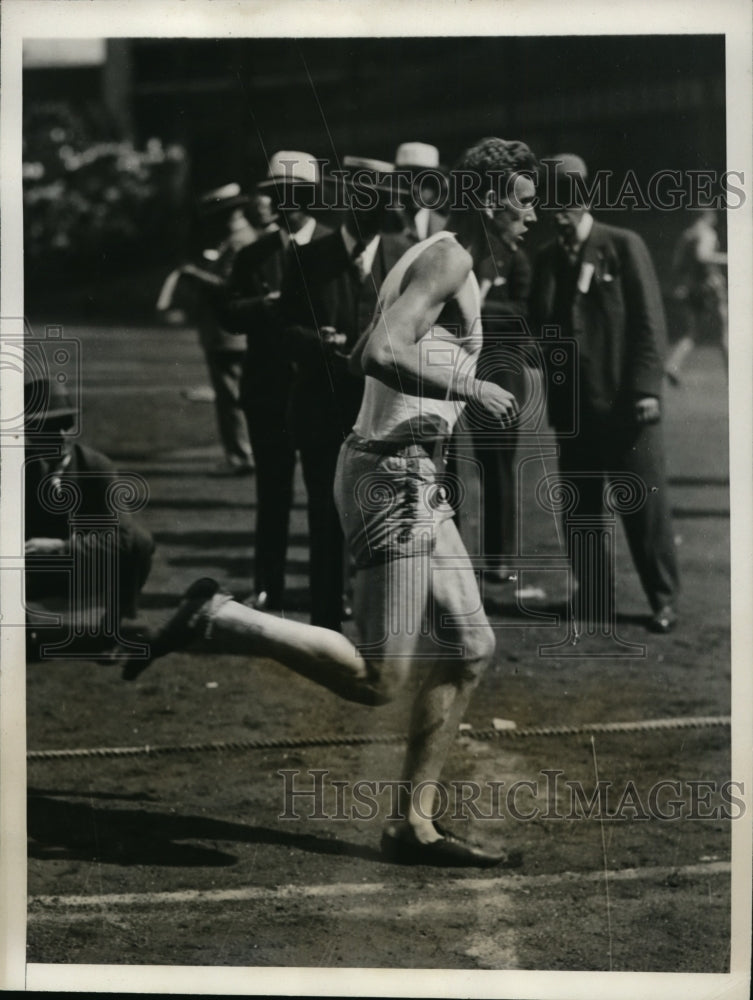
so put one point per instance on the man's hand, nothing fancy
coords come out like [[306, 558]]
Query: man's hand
[[496, 400], [44, 546], [647, 410]]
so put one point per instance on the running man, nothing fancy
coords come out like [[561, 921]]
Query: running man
[[414, 575]]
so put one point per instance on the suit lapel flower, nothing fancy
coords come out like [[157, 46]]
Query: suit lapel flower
[[598, 269]]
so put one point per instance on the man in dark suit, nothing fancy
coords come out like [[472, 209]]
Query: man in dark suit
[[419, 162], [505, 285], [597, 283], [250, 304], [329, 296]]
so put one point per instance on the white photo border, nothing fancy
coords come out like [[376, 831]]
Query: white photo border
[[345, 18]]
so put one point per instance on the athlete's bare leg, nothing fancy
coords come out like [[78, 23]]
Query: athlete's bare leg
[[394, 605], [399, 606], [324, 656]]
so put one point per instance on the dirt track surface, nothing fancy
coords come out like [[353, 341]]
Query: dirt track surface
[[185, 859]]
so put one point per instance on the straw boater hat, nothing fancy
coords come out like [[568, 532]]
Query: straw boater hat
[[417, 156], [220, 199], [290, 166], [364, 173]]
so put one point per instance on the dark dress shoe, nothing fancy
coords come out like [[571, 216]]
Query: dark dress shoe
[[664, 620], [450, 851], [182, 628]]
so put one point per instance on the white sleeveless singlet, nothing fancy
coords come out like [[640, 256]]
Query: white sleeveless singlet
[[387, 414]]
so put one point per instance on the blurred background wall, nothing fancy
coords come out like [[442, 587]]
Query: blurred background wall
[[121, 134]]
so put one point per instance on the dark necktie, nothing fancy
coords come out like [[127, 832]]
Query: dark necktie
[[571, 249]]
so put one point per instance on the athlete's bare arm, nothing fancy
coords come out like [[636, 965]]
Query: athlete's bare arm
[[390, 350], [421, 301]]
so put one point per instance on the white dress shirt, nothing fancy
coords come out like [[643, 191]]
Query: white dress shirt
[[305, 233], [365, 260]]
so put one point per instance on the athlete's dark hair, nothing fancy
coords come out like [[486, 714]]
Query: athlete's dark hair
[[490, 163]]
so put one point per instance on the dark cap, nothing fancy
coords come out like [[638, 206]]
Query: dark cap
[[221, 199]]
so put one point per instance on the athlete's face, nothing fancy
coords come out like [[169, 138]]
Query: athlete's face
[[515, 213]]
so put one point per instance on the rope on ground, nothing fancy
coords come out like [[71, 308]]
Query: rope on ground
[[361, 739]]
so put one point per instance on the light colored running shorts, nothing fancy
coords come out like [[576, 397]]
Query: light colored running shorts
[[390, 498]]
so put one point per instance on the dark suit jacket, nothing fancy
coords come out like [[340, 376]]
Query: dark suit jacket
[[618, 323], [319, 290], [504, 314], [242, 307], [93, 475], [507, 301]]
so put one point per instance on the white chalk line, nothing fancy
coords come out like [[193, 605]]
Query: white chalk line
[[41, 907]]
